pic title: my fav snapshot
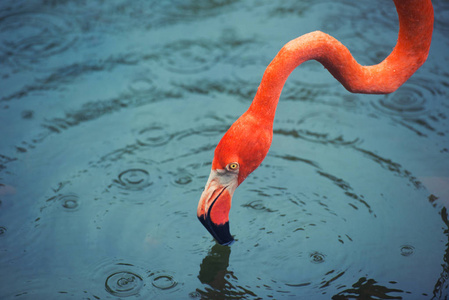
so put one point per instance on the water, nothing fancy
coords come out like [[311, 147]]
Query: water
[[109, 115]]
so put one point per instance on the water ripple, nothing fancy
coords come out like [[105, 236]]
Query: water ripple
[[317, 137], [409, 101], [192, 9], [67, 202], [133, 180], [348, 190], [123, 284], [154, 135], [243, 90], [442, 15], [182, 178], [258, 205], [122, 278], [190, 56], [343, 13], [391, 166], [66, 74], [323, 128], [380, 18], [317, 257], [289, 157], [142, 85], [290, 8], [27, 37], [163, 280], [4, 160], [368, 289]]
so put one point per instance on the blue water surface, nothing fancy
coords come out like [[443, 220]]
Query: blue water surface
[[109, 115]]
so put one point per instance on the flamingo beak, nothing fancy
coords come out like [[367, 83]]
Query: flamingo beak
[[214, 206]]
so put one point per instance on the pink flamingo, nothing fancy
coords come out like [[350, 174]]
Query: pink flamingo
[[246, 143]]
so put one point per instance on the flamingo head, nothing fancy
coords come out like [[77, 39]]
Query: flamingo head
[[240, 151]]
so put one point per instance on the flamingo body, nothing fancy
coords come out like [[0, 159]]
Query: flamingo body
[[246, 143]]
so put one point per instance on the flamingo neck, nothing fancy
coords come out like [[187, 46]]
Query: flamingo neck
[[410, 52]]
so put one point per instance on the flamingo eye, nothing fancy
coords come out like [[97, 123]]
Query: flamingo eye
[[233, 166]]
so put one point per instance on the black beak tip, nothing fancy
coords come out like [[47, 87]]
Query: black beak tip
[[220, 232]]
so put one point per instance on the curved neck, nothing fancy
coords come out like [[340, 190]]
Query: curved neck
[[410, 52]]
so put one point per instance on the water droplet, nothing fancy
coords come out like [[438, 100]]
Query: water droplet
[[164, 281], [323, 128], [317, 257], [407, 250], [133, 179], [123, 284]]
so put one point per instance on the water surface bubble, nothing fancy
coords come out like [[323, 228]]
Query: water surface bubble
[[407, 250], [124, 284], [69, 202]]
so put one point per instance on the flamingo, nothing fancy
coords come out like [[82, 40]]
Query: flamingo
[[246, 143]]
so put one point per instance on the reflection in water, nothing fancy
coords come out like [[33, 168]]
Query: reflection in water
[[367, 289], [214, 273]]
